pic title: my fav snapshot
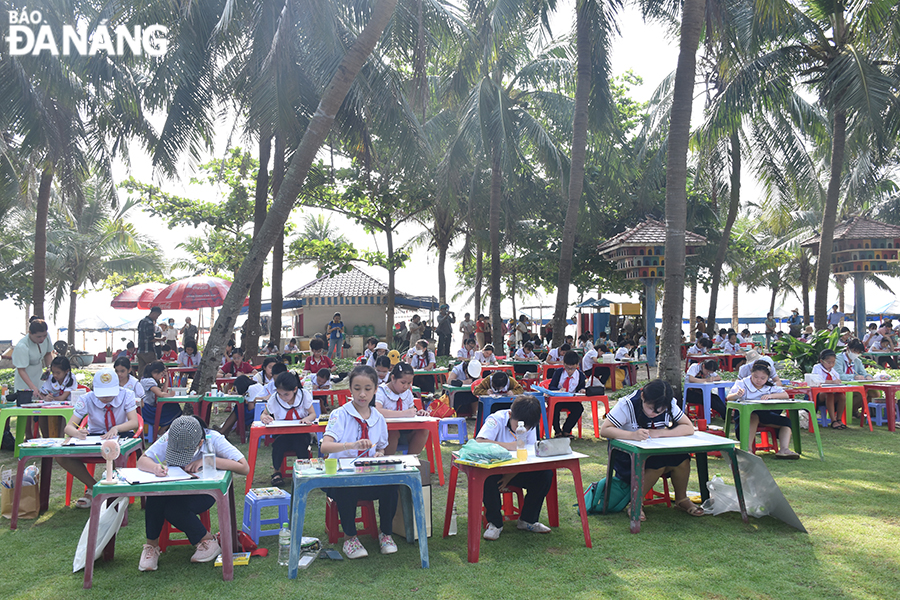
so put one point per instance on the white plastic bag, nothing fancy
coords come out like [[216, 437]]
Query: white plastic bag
[[111, 518], [723, 498]]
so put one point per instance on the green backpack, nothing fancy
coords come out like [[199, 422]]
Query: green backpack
[[619, 496]]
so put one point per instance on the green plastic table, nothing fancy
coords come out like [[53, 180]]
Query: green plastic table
[[47, 454], [197, 401], [409, 480], [220, 488], [21, 413], [745, 409], [699, 444], [207, 401]]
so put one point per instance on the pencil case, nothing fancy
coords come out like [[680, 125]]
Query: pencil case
[[553, 447]]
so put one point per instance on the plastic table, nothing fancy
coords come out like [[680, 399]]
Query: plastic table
[[726, 361], [707, 387], [409, 480], [47, 454], [21, 413], [630, 365], [207, 401], [220, 488], [476, 474], [845, 388], [440, 375], [197, 401], [699, 444], [570, 397], [488, 402], [890, 389], [331, 395], [490, 368], [745, 409]]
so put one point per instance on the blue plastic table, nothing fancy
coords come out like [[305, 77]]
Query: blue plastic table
[[409, 480], [707, 387]]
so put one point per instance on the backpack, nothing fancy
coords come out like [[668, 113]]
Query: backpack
[[619, 496]]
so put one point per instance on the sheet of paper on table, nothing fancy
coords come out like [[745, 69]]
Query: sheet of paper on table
[[408, 461], [699, 438], [416, 419], [134, 475], [91, 440], [280, 424]]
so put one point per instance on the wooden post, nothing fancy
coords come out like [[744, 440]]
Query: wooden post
[[859, 283]]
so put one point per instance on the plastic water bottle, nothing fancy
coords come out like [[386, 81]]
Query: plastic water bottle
[[284, 545], [209, 460], [521, 452]]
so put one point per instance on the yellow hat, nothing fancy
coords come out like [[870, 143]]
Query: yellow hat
[[394, 356]]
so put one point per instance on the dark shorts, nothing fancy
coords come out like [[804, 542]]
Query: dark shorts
[[622, 463]]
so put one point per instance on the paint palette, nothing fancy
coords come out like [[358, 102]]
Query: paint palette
[[375, 465]]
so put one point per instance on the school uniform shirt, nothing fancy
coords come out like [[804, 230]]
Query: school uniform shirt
[[420, 362], [394, 401], [231, 368], [149, 396], [300, 408], [553, 354], [522, 355], [260, 378], [346, 425], [587, 363], [563, 382], [622, 353], [135, 386], [50, 386], [731, 348], [189, 360], [254, 391], [719, 340], [872, 340], [101, 418], [465, 354], [269, 387], [694, 371], [485, 360], [289, 348], [623, 414], [824, 375], [744, 371], [695, 349], [313, 365], [848, 369], [751, 392], [496, 428], [213, 441], [311, 383]]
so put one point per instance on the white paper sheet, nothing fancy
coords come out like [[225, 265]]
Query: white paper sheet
[[135, 475]]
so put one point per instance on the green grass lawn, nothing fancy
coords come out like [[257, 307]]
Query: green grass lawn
[[849, 503]]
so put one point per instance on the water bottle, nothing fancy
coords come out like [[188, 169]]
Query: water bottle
[[209, 460], [284, 545], [521, 452]]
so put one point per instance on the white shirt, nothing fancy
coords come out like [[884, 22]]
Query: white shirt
[[587, 363], [343, 427], [289, 348], [421, 362], [89, 406], [751, 392], [744, 371], [522, 355], [278, 409], [496, 428], [255, 391], [694, 371], [568, 383], [489, 360], [459, 371], [135, 386], [719, 340], [259, 376], [820, 372], [390, 399], [189, 360], [731, 348], [695, 349], [50, 386], [310, 382], [214, 441], [465, 354], [171, 334], [622, 353], [623, 417]]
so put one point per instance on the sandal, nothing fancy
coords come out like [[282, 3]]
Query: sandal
[[787, 455], [277, 479], [692, 509], [84, 502], [837, 425]]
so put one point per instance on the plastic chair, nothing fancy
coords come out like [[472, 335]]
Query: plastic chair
[[90, 462], [165, 537], [366, 518], [462, 432], [510, 511], [253, 520], [768, 440], [654, 497]]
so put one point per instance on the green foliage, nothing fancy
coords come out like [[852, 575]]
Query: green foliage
[[805, 355]]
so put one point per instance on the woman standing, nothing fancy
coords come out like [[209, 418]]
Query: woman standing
[[31, 355]]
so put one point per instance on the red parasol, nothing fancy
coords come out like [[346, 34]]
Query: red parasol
[[193, 293], [137, 296]]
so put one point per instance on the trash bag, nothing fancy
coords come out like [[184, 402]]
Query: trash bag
[[487, 453], [111, 518], [723, 498]]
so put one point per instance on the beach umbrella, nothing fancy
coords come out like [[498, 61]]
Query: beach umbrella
[[193, 293], [137, 296]]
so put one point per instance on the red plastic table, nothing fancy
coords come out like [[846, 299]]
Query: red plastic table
[[815, 390], [890, 389], [475, 476], [331, 395], [632, 372]]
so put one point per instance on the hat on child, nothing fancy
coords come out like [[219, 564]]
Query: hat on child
[[106, 383], [474, 369], [381, 346], [185, 435]]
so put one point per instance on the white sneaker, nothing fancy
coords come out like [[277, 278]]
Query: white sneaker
[[387, 544], [533, 527], [353, 548], [149, 558], [492, 532], [207, 550]]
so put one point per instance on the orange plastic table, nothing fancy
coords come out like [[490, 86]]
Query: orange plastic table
[[890, 389]]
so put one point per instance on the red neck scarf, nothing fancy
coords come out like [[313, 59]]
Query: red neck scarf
[[363, 434], [109, 419]]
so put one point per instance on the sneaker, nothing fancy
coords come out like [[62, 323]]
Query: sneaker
[[533, 527], [492, 532], [387, 544], [207, 550], [149, 558], [354, 549]]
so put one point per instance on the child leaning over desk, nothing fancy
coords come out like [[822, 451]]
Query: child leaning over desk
[[500, 428], [356, 429], [834, 402], [183, 446], [394, 399], [567, 379], [759, 386], [111, 411], [290, 402]]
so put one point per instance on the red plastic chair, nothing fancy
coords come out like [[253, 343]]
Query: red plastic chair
[[768, 440], [654, 497], [510, 511], [165, 538], [366, 519], [90, 462]]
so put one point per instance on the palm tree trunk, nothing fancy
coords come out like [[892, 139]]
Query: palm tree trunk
[[312, 140], [494, 219], [251, 344], [826, 242], [676, 191], [772, 300], [277, 250], [576, 170], [421, 76], [841, 283], [73, 299], [804, 283], [479, 275], [392, 273], [442, 277], [693, 311], [39, 283], [735, 317], [734, 203]]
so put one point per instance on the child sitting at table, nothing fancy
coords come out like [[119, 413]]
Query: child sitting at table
[[731, 345], [251, 391], [500, 428], [652, 412], [277, 369], [752, 356], [183, 446], [567, 379], [169, 355], [486, 355], [720, 338], [759, 386], [264, 375], [356, 429], [394, 399], [701, 347], [383, 368], [236, 366], [498, 384], [702, 372], [589, 361], [624, 354], [467, 352], [526, 352], [887, 361], [156, 385], [317, 360], [111, 411], [61, 383], [189, 357], [318, 381], [378, 350], [555, 355], [291, 347], [290, 402], [835, 402], [122, 367], [422, 359], [371, 343]]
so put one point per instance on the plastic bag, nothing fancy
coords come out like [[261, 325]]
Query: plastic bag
[[723, 498], [111, 518], [483, 452]]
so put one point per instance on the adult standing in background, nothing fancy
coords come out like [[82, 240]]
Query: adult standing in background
[[467, 328], [480, 329], [794, 322], [188, 332], [415, 330], [770, 329], [146, 346], [835, 317], [30, 356], [172, 336], [335, 333], [445, 321]]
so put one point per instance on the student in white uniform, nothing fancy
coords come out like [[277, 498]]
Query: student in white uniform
[[183, 446], [318, 381], [189, 357], [651, 412], [128, 381], [383, 368], [486, 355], [269, 388], [252, 393], [526, 352], [731, 345], [500, 428], [588, 362], [156, 385], [467, 352], [850, 368], [264, 375], [290, 402], [356, 429], [111, 411], [753, 356], [835, 402], [381, 349], [720, 338], [701, 347], [567, 379], [422, 359], [61, 383], [624, 353], [759, 386], [555, 355], [700, 372], [394, 399], [291, 347]]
